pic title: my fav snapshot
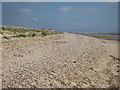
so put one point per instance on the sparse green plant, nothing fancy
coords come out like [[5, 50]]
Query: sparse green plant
[[44, 34], [1, 32], [26, 32], [21, 35], [6, 37], [3, 28], [33, 34]]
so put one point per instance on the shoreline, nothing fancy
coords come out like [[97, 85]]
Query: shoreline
[[106, 36]]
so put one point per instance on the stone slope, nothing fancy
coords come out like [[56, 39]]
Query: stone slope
[[66, 60]]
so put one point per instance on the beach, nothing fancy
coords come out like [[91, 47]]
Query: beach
[[60, 61]]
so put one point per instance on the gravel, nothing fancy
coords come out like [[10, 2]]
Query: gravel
[[59, 61]]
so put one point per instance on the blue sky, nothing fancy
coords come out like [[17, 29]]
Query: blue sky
[[60, 0], [63, 16], [1, 13]]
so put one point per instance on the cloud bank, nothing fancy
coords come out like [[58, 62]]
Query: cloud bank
[[28, 13], [34, 19], [89, 9], [83, 9], [66, 9], [25, 10]]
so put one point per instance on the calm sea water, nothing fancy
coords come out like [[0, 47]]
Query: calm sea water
[[109, 36]]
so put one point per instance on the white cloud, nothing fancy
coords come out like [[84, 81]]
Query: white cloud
[[89, 9], [86, 9], [34, 19], [83, 24], [66, 9], [25, 10]]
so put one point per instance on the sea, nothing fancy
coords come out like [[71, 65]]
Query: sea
[[108, 36]]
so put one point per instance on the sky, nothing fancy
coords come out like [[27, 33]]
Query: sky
[[59, 0], [0, 13], [62, 16]]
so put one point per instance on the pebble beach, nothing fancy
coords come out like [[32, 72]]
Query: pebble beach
[[60, 61]]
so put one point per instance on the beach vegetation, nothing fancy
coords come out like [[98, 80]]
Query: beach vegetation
[[18, 32]]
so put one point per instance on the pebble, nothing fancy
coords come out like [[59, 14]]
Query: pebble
[[58, 64]]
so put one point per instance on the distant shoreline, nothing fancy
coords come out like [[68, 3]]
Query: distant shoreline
[[107, 36]]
